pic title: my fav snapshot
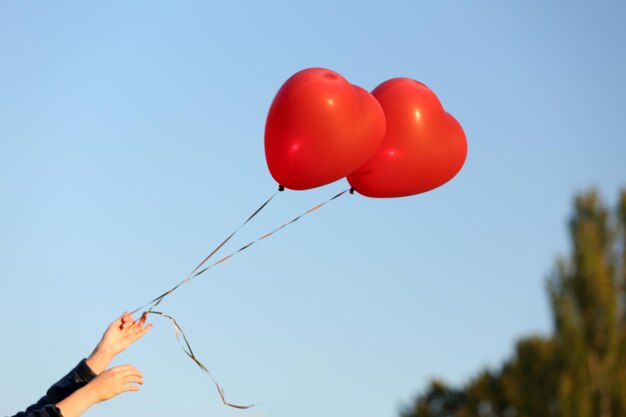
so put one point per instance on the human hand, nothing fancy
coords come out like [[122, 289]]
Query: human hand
[[105, 386], [123, 332], [120, 334], [113, 382]]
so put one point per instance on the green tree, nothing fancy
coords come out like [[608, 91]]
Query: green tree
[[580, 371]]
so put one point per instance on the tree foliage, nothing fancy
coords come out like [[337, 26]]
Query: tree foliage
[[580, 370]]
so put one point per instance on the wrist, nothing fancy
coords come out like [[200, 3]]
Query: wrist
[[100, 359], [78, 402], [90, 394]]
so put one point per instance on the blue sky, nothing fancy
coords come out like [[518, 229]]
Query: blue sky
[[131, 143]]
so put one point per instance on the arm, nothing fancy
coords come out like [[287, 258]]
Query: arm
[[78, 377], [105, 386], [120, 334]]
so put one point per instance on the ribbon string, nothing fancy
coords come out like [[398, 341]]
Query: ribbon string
[[184, 343], [280, 188], [156, 301], [265, 236], [186, 347]]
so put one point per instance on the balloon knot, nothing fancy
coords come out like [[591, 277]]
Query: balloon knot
[[281, 188], [351, 190]]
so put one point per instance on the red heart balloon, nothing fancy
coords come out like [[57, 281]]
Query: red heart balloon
[[424, 146], [320, 128]]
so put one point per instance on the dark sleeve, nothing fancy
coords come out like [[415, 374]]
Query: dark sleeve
[[46, 406]]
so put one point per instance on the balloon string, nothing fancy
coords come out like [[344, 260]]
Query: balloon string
[[265, 236], [186, 347], [156, 301], [239, 228]]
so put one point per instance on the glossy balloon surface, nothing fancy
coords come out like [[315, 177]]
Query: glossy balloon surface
[[424, 147], [320, 128]]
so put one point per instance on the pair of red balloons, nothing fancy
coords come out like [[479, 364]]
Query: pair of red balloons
[[394, 142]]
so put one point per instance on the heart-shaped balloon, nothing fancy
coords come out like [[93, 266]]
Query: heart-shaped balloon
[[320, 128], [424, 146]]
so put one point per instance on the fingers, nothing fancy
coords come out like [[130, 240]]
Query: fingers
[[124, 321], [136, 379], [128, 377], [124, 368], [128, 374], [127, 322], [116, 380], [141, 333], [125, 331], [127, 388]]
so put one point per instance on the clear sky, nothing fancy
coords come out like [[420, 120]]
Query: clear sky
[[131, 143]]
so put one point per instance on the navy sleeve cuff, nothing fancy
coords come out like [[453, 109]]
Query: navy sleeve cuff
[[53, 411], [78, 377], [85, 372], [49, 410]]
